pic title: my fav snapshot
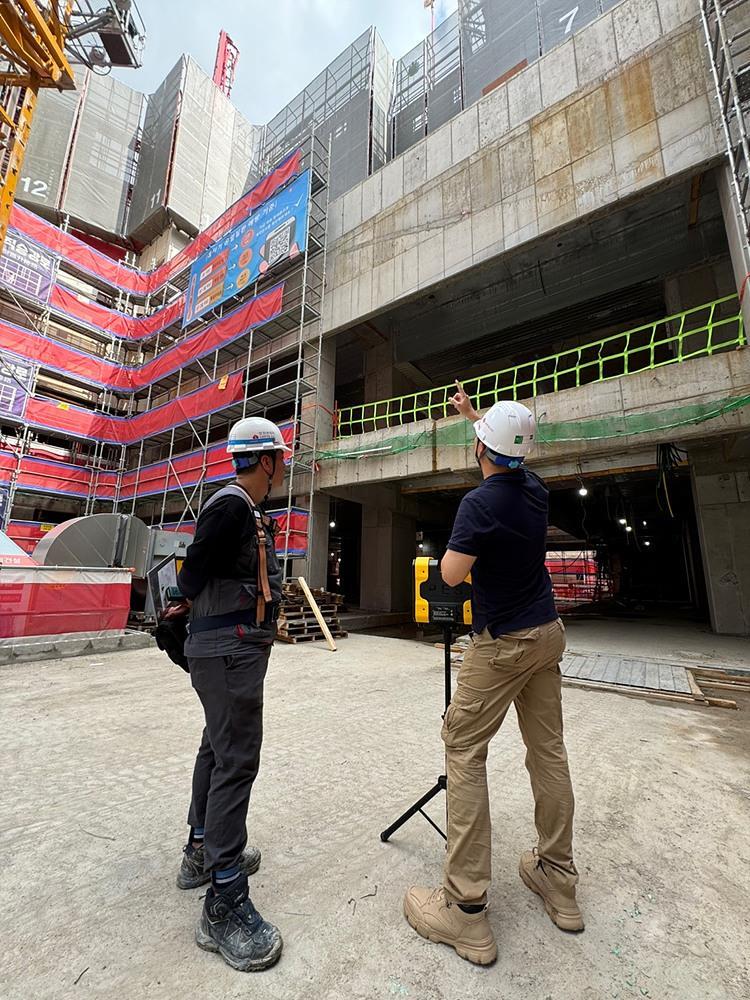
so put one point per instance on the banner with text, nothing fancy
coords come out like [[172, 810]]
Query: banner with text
[[16, 380], [276, 232], [26, 268]]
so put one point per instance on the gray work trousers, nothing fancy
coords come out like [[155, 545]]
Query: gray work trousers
[[231, 691]]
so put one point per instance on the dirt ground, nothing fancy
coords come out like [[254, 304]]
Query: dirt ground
[[96, 757]]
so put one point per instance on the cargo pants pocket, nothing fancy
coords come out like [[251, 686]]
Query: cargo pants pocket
[[461, 722]]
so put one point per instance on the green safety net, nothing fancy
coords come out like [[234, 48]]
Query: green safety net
[[458, 433], [698, 332]]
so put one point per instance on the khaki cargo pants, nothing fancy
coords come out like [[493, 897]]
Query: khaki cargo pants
[[523, 668]]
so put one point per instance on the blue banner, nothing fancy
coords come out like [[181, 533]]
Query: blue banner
[[275, 233]]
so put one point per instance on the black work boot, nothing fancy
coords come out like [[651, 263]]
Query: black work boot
[[231, 925], [191, 873]]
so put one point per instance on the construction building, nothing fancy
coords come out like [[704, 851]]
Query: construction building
[[547, 201]]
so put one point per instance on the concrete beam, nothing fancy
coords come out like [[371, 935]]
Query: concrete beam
[[700, 380]]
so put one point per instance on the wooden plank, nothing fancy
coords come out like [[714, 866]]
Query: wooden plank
[[586, 667], [681, 681], [721, 702], [572, 665], [639, 673], [694, 687], [600, 669], [631, 692], [321, 621], [666, 677], [721, 686], [652, 676]]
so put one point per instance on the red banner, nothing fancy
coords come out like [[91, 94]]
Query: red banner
[[143, 283], [47, 600], [187, 470], [293, 525], [110, 320], [82, 423], [70, 361]]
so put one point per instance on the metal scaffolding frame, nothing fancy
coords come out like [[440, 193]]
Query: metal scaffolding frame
[[279, 364], [726, 24]]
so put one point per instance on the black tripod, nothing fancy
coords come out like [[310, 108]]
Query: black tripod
[[442, 781]]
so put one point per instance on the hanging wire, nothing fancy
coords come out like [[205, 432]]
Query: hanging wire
[[668, 457]]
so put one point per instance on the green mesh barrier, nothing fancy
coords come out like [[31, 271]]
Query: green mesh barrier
[[459, 433], [699, 332]]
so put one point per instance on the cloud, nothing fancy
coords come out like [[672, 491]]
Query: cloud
[[283, 44]]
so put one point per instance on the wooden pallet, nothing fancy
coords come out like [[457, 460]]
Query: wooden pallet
[[309, 636], [297, 620]]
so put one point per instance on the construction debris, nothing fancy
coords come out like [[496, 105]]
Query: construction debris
[[297, 620]]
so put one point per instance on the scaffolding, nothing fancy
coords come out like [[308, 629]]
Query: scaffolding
[[471, 53], [346, 105], [726, 24], [270, 368]]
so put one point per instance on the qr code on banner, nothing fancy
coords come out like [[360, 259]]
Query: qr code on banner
[[279, 242]]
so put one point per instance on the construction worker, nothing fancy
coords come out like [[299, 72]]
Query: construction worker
[[233, 579], [518, 641]]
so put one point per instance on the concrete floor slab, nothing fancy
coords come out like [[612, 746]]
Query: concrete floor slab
[[96, 760]]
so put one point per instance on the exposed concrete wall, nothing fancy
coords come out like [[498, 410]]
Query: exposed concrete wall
[[388, 548], [721, 489], [701, 380], [620, 107]]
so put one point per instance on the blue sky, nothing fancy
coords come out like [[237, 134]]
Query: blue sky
[[283, 43]]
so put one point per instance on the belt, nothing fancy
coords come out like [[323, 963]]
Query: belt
[[246, 616]]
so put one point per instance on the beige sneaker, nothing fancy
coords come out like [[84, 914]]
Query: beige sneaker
[[559, 899], [436, 918]]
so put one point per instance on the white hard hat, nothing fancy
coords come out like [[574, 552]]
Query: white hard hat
[[255, 434], [507, 429]]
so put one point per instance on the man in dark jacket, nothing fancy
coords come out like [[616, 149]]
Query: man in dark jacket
[[232, 577], [499, 536]]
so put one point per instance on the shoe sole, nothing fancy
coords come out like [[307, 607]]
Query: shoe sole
[[207, 943], [480, 956], [569, 922], [184, 883]]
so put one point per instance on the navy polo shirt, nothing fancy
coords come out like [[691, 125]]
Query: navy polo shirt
[[503, 523]]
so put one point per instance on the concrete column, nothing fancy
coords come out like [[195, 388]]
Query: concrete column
[[320, 514], [388, 548], [721, 490], [317, 418], [736, 237]]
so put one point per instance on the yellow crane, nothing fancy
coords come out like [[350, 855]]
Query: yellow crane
[[32, 47], [33, 39]]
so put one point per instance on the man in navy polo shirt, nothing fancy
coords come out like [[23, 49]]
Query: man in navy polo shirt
[[499, 536]]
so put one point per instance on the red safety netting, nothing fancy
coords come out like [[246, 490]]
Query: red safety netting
[[46, 600], [64, 478], [86, 258], [293, 525], [41, 475], [110, 320], [186, 471], [77, 422], [575, 577], [27, 533], [12, 554], [70, 361], [298, 521]]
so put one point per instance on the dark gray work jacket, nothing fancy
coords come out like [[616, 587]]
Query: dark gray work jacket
[[237, 591]]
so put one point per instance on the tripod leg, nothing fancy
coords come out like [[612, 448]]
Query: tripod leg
[[438, 787]]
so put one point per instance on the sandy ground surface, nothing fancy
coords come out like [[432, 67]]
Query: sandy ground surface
[[96, 756]]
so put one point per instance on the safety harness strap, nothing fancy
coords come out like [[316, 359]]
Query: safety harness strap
[[264, 595]]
